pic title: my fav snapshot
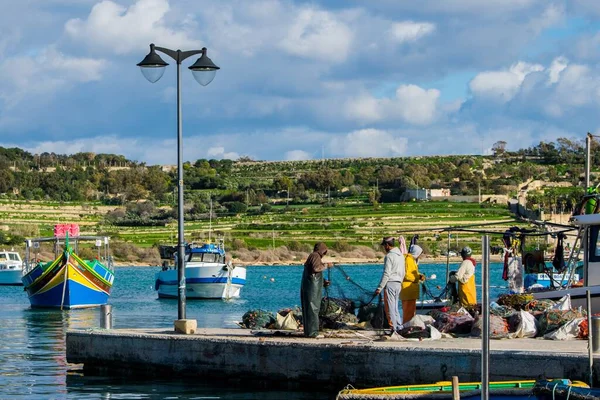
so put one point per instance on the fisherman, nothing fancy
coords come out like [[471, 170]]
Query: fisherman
[[391, 282], [311, 289], [411, 283], [465, 276]]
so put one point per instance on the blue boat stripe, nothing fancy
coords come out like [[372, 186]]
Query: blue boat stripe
[[235, 281]]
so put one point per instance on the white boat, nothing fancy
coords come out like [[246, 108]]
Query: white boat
[[207, 275], [11, 268]]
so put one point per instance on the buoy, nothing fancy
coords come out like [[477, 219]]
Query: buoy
[[264, 277], [272, 279], [433, 276]]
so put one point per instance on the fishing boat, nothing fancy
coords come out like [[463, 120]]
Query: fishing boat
[[207, 274], [11, 268], [68, 281], [524, 389], [576, 278]]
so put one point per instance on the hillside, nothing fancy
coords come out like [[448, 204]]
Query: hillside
[[274, 211]]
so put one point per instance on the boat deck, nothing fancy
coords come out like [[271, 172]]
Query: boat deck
[[341, 357]]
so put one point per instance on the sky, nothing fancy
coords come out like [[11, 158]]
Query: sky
[[299, 79]]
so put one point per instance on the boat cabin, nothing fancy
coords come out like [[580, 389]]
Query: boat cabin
[[10, 260]]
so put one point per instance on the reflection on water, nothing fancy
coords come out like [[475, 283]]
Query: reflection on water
[[32, 344]]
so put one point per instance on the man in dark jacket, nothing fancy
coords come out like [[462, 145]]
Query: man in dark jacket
[[311, 289]]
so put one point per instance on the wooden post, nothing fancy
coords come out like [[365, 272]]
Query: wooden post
[[455, 388]]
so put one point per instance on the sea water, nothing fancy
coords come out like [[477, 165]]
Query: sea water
[[32, 341]]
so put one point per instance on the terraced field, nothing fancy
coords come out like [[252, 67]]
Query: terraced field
[[349, 224]]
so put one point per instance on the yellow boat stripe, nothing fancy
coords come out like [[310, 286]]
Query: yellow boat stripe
[[58, 279], [74, 275]]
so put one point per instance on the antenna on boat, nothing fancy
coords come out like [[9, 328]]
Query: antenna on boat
[[588, 146], [210, 221]]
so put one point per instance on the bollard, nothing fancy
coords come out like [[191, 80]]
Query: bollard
[[595, 330], [106, 316], [455, 388]]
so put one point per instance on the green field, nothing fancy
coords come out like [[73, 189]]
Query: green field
[[342, 227]]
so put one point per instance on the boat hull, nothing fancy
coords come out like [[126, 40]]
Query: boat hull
[[72, 284], [578, 296], [11, 277], [203, 282]]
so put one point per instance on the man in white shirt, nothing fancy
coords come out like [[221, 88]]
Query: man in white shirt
[[391, 282]]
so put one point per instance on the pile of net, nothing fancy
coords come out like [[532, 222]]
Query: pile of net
[[516, 316], [257, 319], [337, 313]]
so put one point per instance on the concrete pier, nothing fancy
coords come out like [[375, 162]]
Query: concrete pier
[[342, 358]]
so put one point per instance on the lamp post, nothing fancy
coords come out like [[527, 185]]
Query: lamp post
[[204, 71]]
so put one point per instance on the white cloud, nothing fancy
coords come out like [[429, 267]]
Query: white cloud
[[113, 27], [364, 108], [416, 105], [44, 74], [220, 153], [557, 66], [412, 104], [296, 155], [368, 143], [318, 34], [409, 31], [502, 85]]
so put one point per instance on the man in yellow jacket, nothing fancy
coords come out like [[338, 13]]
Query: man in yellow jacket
[[467, 294], [411, 283]]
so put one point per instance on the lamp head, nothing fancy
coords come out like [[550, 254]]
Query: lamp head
[[204, 70], [152, 66]]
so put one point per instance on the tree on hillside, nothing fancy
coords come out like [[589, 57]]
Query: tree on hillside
[[499, 148]]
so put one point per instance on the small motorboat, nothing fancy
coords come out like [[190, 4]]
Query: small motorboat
[[11, 268], [207, 274]]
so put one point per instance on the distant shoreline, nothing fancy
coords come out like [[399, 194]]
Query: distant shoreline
[[334, 260]]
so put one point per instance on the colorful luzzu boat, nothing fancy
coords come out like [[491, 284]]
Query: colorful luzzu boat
[[68, 281]]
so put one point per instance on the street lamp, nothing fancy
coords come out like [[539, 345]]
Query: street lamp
[[204, 71]]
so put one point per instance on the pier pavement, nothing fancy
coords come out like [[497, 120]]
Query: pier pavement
[[359, 358]]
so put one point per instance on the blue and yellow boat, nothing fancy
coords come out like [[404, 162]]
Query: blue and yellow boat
[[68, 281]]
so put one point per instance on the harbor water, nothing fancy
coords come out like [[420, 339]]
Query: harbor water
[[32, 341]]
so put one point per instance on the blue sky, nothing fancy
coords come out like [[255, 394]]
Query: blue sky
[[299, 79]]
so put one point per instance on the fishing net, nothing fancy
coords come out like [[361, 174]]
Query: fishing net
[[415, 332], [347, 301], [374, 314], [336, 313], [498, 327], [516, 301], [258, 319], [554, 319], [457, 323], [502, 311], [537, 307]]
